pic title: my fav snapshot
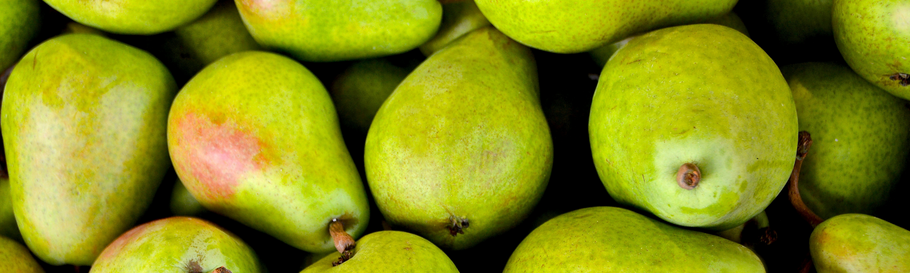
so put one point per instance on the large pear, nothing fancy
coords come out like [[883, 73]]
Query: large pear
[[461, 150], [694, 124], [84, 127], [254, 136]]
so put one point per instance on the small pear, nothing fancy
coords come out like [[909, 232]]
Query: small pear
[[16, 258], [458, 18], [19, 23], [388, 251], [859, 243]]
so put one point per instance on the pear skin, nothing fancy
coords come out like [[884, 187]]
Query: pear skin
[[859, 243], [19, 22], [14, 257], [389, 251], [136, 17]]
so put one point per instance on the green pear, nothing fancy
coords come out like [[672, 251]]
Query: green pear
[[326, 31], [177, 244], [602, 54], [694, 124], [859, 243], [389, 251], [16, 258], [860, 139], [84, 127], [799, 21], [873, 37], [461, 150], [360, 90], [191, 47], [133, 16], [610, 239], [183, 203], [254, 136], [19, 23], [458, 18], [569, 26]]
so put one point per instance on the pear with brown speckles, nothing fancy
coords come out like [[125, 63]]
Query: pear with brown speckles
[[84, 123], [254, 136], [461, 150]]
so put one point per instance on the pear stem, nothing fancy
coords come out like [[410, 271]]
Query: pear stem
[[221, 270], [344, 243], [805, 140], [902, 78], [688, 176], [457, 225]]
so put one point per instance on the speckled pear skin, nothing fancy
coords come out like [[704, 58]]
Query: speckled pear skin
[[389, 251], [84, 126], [254, 136], [14, 257], [859, 243], [137, 17], [177, 244], [873, 37], [569, 26], [19, 23], [611, 239], [360, 90], [462, 136], [458, 18], [702, 94], [331, 30], [602, 54], [860, 139]]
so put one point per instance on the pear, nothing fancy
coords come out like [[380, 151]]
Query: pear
[[602, 54], [458, 18], [133, 16], [859, 243], [326, 31], [873, 37], [860, 139], [177, 244], [461, 150], [568, 26], [8, 227], [191, 47], [16, 258], [19, 23], [389, 251], [254, 136], [611, 239], [360, 90], [694, 124], [84, 127]]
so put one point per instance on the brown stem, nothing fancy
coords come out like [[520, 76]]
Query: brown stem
[[902, 78], [344, 243], [221, 270], [802, 150], [457, 225], [688, 176]]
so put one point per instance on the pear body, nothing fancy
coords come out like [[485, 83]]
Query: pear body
[[567, 26], [611, 239], [19, 23], [138, 17], [254, 136], [697, 94], [8, 227], [873, 36], [14, 257], [462, 142], [458, 18], [860, 139], [84, 126], [389, 251], [331, 30], [859, 243], [177, 244]]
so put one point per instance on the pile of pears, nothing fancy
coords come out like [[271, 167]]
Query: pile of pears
[[213, 136]]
